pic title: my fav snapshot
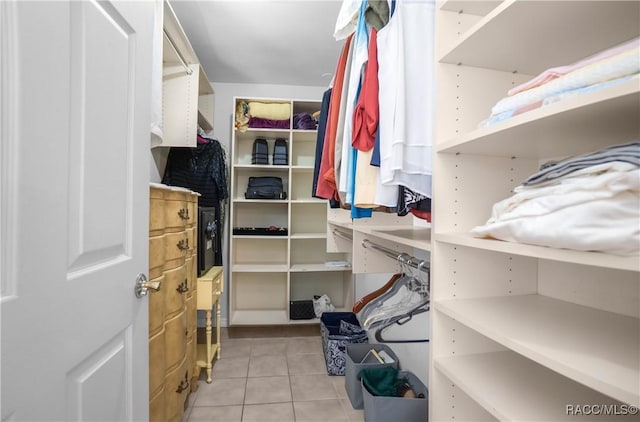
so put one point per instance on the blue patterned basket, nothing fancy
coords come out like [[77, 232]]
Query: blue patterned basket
[[339, 329]]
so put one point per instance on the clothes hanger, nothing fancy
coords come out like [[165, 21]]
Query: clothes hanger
[[371, 296], [401, 320], [379, 301]]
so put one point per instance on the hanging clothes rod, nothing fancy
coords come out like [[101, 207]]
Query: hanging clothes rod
[[401, 257], [180, 56], [342, 234]]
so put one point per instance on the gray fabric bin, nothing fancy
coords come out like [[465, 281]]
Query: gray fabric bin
[[386, 409], [356, 353]]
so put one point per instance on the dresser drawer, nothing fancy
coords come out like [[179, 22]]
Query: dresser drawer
[[157, 311], [176, 248], [175, 290], [177, 387], [177, 214], [157, 364], [175, 335]]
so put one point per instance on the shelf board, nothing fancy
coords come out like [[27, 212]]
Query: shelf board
[[322, 235], [596, 348], [259, 268], [309, 201], [415, 237], [471, 7], [585, 123], [513, 388], [304, 131], [343, 224], [261, 201], [253, 236], [259, 317], [302, 268], [527, 49], [598, 259], [202, 354], [260, 167]]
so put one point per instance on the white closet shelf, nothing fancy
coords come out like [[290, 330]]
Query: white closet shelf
[[416, 237], [309, 201], [260, 268], [598, 259], [303, 268], [304, 131], [577, 32], [585, 122], [342, 224], [471, 7], [260, 167], [513, 388], [596, 348], [261, 201], [302, 169], [308, 235], [266, 317]]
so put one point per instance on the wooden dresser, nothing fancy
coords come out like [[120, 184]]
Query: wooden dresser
[[172, 310]]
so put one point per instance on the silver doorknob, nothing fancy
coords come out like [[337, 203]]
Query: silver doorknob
[[143, 285]]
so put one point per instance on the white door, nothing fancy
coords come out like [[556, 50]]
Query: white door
[[74, 95]]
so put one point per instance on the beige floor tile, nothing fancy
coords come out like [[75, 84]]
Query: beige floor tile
[[354, 415], [267, 366], [339, 385], [231, 368], [265, 347], [307, 363], [272, 412], [231, 349], [221, 392], [297, 345], [320, 410], [268, 390], [216, 414], [312, 387]]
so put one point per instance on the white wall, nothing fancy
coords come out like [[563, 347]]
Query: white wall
[[222, 124]]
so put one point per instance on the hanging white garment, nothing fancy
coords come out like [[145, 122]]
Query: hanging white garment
[[406, 93], [360, 56], [347, 19]]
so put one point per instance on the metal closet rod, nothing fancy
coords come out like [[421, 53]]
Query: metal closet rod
[[343, 235], [180, 56], [398, 256]]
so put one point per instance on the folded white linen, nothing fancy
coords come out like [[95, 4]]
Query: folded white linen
[[618, 66], [583, 212]]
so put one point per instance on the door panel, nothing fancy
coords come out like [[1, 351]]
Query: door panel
[[74, 108]]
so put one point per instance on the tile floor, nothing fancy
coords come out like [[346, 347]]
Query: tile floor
[[271, 374]]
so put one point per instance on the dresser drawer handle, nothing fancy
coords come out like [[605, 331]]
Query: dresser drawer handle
[[184, 384], [183, 245], [184, 213], [182, 287]]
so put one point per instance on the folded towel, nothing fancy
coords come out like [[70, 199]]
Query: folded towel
[[272, 111]]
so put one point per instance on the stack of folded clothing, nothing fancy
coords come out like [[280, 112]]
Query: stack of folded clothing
[[605, 69], [589, 202], [263, 115]]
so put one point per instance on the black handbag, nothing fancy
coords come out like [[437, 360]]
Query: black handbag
[[265, 187], [301, 309]]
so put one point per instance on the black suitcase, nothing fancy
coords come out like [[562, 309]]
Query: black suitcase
[[266, 187], [260, 154], [280, 153]]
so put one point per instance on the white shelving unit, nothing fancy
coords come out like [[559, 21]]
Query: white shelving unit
[[187, 95], [520, 332], [267, 272]]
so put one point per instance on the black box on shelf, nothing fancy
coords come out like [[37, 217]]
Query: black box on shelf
[[301, 309]]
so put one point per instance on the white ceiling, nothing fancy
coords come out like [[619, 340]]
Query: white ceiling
[[287, 42]]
